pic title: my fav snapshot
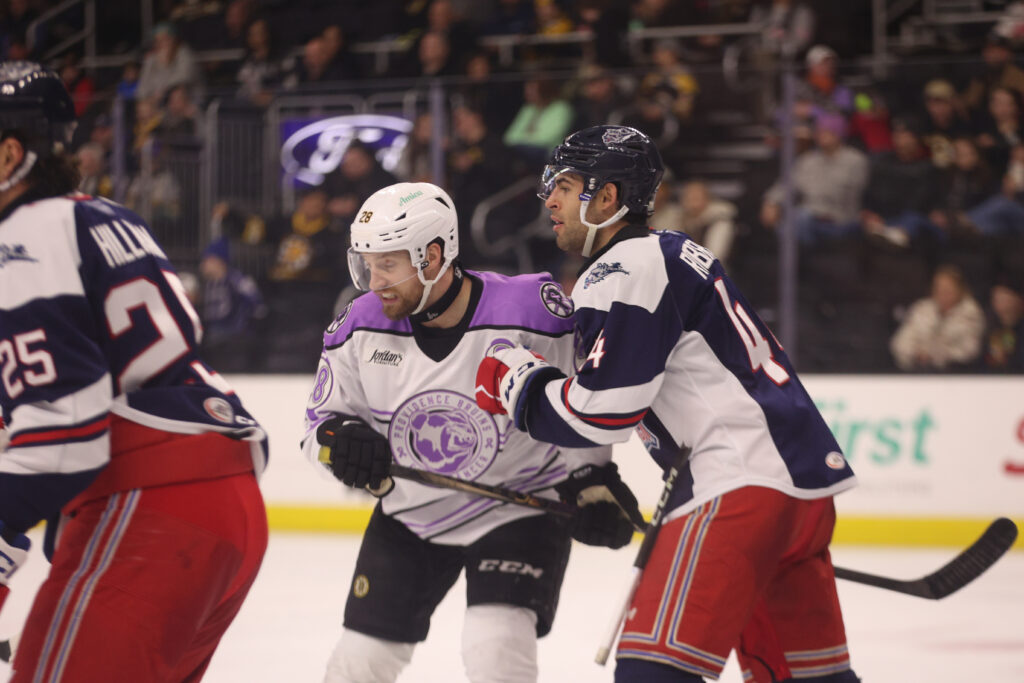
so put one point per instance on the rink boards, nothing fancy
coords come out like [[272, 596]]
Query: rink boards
[[937, 457]]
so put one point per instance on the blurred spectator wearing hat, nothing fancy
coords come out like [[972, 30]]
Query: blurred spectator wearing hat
[[899, 190], [671, 78], [231, 307], [997, 71], [1004, 332], [168, 63], [942, 122], [829, 181], [819, 91]]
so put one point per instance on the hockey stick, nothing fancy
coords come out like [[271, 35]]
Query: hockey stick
[[642, 555], [955, 574], [501, 493]]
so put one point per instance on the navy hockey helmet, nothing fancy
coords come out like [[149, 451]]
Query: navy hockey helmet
[[608, 154], [36, 108]]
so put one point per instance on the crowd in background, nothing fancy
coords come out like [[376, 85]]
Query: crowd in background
[[909, 189]]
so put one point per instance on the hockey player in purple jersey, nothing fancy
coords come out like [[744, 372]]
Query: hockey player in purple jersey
[[396, 383], [672, 351], [121, 437]]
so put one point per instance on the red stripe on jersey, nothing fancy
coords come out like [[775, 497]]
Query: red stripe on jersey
[[601, 421], [94, 428]]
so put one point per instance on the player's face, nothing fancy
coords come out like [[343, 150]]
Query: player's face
[[393, 279], [564, 204]]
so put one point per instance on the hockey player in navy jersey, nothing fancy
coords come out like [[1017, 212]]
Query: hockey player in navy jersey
[[672, 351], [396, 383], [139, 457]]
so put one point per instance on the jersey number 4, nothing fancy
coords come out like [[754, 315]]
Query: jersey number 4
[[758, 349]]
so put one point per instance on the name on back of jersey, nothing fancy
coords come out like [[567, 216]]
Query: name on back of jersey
[[122, 242]]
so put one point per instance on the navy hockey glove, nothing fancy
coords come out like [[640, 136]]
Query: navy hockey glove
[[356, 454], [13, 553], [608, 511]]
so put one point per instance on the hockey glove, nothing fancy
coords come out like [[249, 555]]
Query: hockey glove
[[608, 511], [500, 379], [13, 553], [356, 454]]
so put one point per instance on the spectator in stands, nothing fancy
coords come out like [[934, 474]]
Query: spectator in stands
[[608, 21], [1004, 334], [414, 165], [708, 220], [541, 123], [261, 70], [314, 70], [442, 17], [597, 97], [92, 170], [870, 122], [168, 63], [148, 117], [943, 123], [14, 25], [231, 308], [552, 20], [434, 56], [78, 83], [997, 71], [226, 27], [357, 177], [478, 167], [307, 274], [943, 331], [498, 99], [787, 28], [820, 89], [179, 116], [961, 188], [829, 181], [671, 78], [900, 188], [1001, 128], [343, 64], [308, 246], [128, 85]]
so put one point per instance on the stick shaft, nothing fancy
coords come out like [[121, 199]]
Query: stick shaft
[[486, 490]]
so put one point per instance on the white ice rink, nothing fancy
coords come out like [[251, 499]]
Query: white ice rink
[[293, 615]]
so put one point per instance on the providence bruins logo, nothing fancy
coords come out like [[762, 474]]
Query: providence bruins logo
[[445, 432]]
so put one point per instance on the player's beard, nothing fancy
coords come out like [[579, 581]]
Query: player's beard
[[407, 298], [571, 237]]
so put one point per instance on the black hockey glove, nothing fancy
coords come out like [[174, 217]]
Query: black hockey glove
[[356, 454], [608, 511]]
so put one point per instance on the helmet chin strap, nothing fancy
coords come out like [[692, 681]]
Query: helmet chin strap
[[19, 173], [592, 228], [446, 299]]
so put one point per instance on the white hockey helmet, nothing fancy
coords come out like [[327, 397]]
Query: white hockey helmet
[[409, 217]]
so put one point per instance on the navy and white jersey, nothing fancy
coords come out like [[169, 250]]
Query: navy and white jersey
[[93, 321], [378, 370], [669, 347]]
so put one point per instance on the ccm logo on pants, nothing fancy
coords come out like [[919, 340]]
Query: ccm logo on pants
[[510, 567]]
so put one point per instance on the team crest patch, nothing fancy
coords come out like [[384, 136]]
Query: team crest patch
[[445, 432], [360, 586], [219, 409], [614, 136], [556, 300], [340, 320], [601, 271], [14, 252]]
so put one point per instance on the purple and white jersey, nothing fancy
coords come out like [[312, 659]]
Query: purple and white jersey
[[373, 368], [93, 321], [669, 347]]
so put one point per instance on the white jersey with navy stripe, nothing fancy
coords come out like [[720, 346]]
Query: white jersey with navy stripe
[[375, 369], [93, 321], [670, 348]]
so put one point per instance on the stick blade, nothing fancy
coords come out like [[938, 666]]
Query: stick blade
[[973, 562]]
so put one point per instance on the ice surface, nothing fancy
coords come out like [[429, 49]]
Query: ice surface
[[293, 617]]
